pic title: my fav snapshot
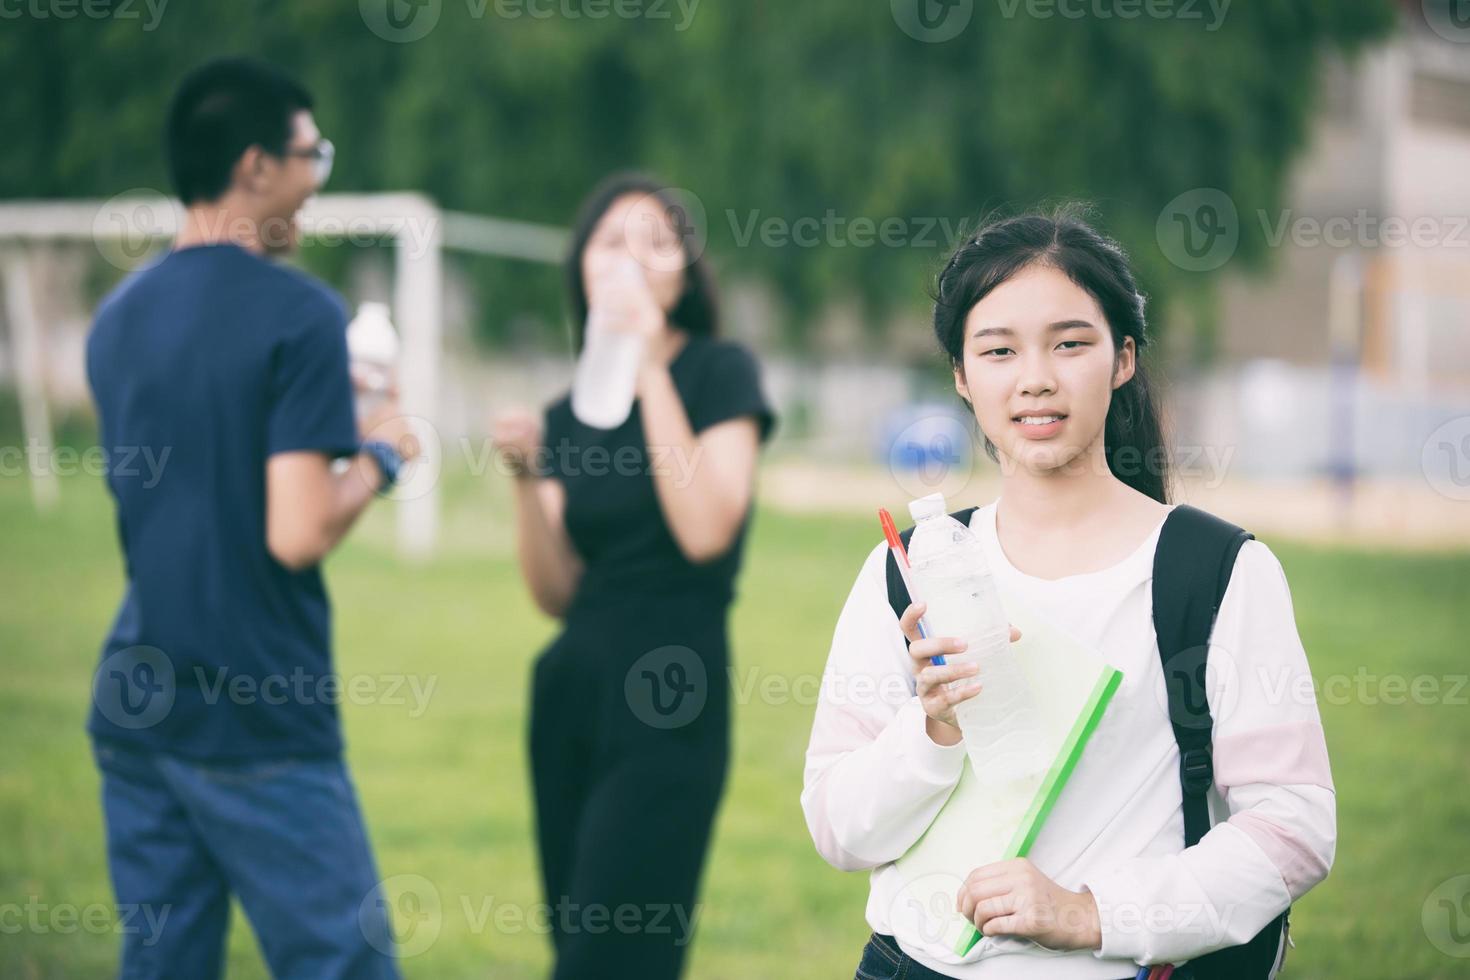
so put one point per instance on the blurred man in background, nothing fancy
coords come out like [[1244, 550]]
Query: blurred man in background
[[214, 712]]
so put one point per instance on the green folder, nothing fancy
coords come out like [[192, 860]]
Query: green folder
[[982, 822]]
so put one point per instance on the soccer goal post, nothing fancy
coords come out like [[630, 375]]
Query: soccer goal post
[[129, 227]]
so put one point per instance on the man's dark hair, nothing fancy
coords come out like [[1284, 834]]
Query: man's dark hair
[[219, 111]]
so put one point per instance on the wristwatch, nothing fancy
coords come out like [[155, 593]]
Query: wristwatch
[[387, 458]]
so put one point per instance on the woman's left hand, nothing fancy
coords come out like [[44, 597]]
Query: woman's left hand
[[1013, 898]]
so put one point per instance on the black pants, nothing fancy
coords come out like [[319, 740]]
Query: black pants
[[629, 746]]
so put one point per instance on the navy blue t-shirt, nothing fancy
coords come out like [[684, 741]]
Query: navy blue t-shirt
[[203, 366]]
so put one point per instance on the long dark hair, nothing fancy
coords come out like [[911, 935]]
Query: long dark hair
[[697, 310], [1133, 439]]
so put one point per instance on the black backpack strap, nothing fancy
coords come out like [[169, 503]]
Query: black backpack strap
[[1192, 565], [898, 593]]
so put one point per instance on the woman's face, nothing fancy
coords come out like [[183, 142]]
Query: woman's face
[[1038, 345], [638, 226]]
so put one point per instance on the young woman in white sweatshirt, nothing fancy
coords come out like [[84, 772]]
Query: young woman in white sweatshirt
[[1041, 319]]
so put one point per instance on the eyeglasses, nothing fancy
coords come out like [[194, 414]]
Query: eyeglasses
[[321, 157]]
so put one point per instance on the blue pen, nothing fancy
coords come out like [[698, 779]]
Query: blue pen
[[937, 660], [900, 556]]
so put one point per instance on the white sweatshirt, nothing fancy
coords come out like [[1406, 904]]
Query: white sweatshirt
[[874, 780]]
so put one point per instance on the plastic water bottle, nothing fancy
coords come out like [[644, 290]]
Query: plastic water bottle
[[607, 370], [1001, 725], [372, 344]]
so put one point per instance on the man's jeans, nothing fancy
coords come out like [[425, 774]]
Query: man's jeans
[[284, 836]]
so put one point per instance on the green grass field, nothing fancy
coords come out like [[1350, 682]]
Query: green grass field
[[446, 793]]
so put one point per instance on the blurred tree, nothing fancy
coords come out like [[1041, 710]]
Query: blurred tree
[[770, 111]]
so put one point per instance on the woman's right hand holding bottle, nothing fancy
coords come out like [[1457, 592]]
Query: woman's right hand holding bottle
[[940, 687], [618, 293]]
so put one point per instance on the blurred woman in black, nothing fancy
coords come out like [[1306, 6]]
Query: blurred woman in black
[[633, 538]]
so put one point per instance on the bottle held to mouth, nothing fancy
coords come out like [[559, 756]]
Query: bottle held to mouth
[[606, 378]]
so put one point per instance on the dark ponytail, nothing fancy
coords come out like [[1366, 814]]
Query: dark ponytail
[[1133, 439]]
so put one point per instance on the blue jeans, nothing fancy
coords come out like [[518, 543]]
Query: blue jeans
[[884, 960], [284, 836]]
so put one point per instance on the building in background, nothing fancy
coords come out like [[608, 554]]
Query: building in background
[[1370, 267]]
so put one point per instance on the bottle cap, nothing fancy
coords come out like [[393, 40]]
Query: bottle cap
[[927, 507]]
